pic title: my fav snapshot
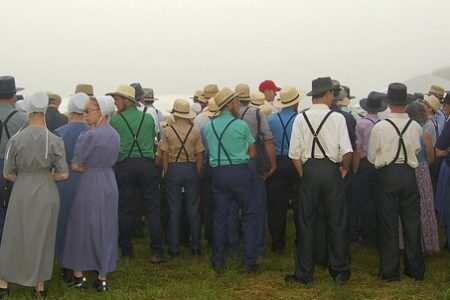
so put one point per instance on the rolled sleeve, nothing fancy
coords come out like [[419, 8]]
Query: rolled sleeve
[[345, 145], [295, 145]]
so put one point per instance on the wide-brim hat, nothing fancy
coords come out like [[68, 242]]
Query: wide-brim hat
[[210, 90], [54, 97], [243, 92], [182, 109], [321, 85], [436, 90], [197, 94], [8, 85], [373, 102], [433, 102], [397, 95], [224, 96], [257, 99], [347, 90], [124, 91], [289, 96], [138, 91], [149, 95], [86, 88], [212, 109]]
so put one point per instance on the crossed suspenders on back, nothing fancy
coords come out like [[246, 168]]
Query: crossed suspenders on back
[[183, 142], [219, 139], [401, 142], [135, 136], [315, 133], [4, 125], [285, 135]]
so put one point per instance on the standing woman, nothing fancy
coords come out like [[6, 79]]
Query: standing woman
[[28, 243], [91, 240]]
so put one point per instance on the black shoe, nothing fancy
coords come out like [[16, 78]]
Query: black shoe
[[293, 279], [250, 268], [412, 276], [342, 278], [40, 294], [78, 283], [100, 285], [4, 292], [196, 252], [173, 254], [67, 275]]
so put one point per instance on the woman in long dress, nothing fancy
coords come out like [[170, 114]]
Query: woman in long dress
[[28, 243], [92, 231]]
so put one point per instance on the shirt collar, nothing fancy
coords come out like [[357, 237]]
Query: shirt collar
[[320, 106], [372, 116], [398, 115]]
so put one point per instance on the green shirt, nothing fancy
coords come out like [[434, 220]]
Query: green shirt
[[146, 136], [235, 140]]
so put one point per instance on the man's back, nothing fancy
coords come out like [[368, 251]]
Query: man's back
[[15, 123]]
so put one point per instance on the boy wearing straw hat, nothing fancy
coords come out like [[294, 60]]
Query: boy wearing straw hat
[[230, 145], [393, 147], [321, 151], [53, 118], [284, 183], [135, 168], [182, 161]]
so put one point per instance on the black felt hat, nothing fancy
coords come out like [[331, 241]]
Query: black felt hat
[[373, 102], [321, 85], [8, 85], [397, 95], [139, 91]]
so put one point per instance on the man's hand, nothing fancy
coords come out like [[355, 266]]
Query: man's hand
[[343, 171]]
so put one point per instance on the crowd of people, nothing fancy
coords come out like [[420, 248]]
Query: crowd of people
[[231, 161]]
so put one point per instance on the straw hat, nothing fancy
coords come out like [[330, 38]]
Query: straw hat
[[210, 90], [182, 109], [433, 102], [86, 88], [212, 109], [289, 96], [437, 90], [124, 91], [198, 93], [257, 99], [55, 98], [243, 92], [224, 96], [149, 95]]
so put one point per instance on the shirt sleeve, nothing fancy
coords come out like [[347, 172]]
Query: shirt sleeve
[[164, 144], [443, 142], [345, 145], [10, 166], [358, 133], [265, 129], [294, 147], [59, 154], [84, 147], [198, 141], [373, 145]]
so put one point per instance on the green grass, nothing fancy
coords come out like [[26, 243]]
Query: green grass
[[188, 277]]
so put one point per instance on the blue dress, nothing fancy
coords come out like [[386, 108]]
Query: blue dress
[[92, 230], [69, 134]]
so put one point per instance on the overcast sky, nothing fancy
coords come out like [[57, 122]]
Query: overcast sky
[[177, 47]]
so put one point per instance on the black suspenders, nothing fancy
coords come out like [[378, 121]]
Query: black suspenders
[[285, 135], [401, 143], [316, 133], [135, 136], [4, 125], [183, 142], [244, 112], [373, 122], [219, 138]]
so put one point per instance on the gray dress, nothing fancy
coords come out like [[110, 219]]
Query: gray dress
[[28, 243]]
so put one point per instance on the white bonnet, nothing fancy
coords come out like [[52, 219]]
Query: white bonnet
[[106, 105], [77, 103], [37, 102]]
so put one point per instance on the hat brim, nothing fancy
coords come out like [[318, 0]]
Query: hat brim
[[321, 90], [123, 96], [148, 99], [227, 100], [18, 89], [278, 104], [379, 108], [189, 115], [244, 98]]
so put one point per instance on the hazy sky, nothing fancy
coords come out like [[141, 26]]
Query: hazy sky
[[177, 47]]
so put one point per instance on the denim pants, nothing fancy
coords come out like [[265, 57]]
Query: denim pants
[[182, 175]]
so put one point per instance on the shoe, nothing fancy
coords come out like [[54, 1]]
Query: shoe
[[67, 275], [4, 292], [173, 254], [415, 277], [196, 252], [78, 283], [250, 268], [40, 294], [100, 285], [157, 258], [342, 278], [217, 268], [294, 279]]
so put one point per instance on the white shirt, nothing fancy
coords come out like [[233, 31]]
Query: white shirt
[[384, 141], [157, 116], [200, 120], [333, 136]]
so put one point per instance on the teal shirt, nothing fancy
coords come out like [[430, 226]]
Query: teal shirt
[[235, 140], [145, 138]]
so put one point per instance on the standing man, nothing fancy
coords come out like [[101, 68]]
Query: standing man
[[269, 89], [393, 147], [11, 121], [158, 116], [284, 183], [135, 169], [438, 92], [53, 118], [230, 145], [321, 151]]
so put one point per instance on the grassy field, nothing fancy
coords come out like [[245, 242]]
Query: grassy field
[[188, 277]]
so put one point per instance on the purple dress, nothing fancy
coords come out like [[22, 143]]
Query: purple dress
[[92, 231]]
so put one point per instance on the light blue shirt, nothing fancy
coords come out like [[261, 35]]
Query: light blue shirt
[[282, 136]]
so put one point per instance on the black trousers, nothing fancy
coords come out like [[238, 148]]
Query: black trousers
[[138, 173], [282, 189], [365, 188], [398, 196], [322, 212]]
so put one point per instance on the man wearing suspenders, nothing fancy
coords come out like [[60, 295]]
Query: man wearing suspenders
[[284, 184], [11, 121], [230, 145], [135, 169], [321, 151], [182, 160], [393, 146], [365, 176]]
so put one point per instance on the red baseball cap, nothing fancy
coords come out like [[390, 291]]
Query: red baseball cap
[[268, 85]]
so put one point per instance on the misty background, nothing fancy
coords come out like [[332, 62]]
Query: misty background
[[177, 47]]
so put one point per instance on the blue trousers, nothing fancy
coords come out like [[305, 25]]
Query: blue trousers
[[234, 228], [234, 183], [182, 175]]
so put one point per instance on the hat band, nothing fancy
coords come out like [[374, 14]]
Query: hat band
[[287, 102], [180, 112]]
